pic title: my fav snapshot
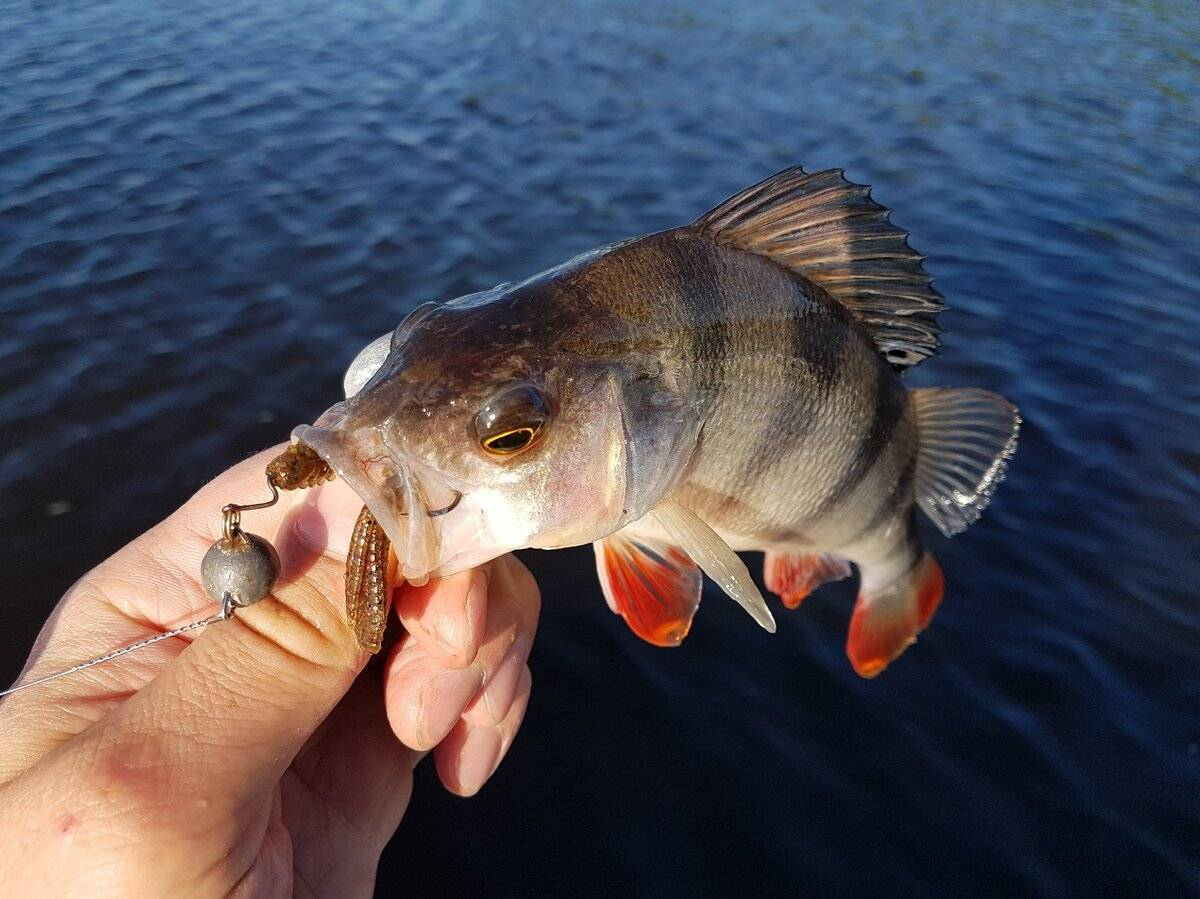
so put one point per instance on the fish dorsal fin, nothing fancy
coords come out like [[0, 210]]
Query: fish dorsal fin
[[832, 233], [965, 438]]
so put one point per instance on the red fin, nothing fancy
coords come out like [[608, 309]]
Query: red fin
[[792, 576], [653, 585], [884, 625]]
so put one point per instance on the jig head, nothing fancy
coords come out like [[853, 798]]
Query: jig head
[[241, 568]]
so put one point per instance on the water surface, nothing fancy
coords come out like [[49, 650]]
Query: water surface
[[207, 208]]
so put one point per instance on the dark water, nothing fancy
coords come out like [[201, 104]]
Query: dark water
[[206, 208]]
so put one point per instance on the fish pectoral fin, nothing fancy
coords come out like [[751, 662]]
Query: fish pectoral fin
[[792, 576], [886, 622], [965, 438], [714, 556], [652, 584]]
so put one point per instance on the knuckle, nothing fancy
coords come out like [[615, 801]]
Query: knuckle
[[132, 772]]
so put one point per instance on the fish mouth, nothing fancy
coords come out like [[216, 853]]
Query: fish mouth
[[406, 497]]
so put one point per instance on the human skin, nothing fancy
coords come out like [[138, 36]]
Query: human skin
[[256, 756]]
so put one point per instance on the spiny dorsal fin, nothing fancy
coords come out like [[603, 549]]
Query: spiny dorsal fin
[[831, 232]]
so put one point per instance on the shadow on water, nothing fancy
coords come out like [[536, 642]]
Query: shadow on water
[[205, 210]]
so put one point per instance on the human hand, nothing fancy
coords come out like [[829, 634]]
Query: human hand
[[252, 759]]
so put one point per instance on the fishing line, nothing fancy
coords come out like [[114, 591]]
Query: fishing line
[[238, 570], [227, 609], [241, 568]]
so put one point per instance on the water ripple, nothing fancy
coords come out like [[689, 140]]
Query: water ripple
[[199, 197]]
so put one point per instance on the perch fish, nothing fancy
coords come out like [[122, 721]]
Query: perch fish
[[733, 384]]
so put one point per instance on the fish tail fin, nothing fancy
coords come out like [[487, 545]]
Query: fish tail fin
[[886, 620], [966, 438]]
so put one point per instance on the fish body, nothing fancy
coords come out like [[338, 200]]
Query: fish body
[[734, 384], [801, 421]]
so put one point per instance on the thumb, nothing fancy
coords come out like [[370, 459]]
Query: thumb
[[224, 720]]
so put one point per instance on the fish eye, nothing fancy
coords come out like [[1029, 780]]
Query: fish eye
[[513, 420]]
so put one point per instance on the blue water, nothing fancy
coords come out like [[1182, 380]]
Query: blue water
[[206, 208]]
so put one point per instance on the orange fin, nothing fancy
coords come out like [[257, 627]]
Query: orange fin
[[883, 625], [792, 576], [652, 584]]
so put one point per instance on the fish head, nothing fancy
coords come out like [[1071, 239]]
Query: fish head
[[476, 434]]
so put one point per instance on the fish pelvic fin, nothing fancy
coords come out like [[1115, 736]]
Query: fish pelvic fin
[[792, 576], [650, 573], [887, 621], [829, 231], [651, 583], [965, 439]]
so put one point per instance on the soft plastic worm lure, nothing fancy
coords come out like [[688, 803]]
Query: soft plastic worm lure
[[241, 568], [299, 467]]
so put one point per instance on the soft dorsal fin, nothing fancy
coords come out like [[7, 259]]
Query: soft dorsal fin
[[965, 438], [831, 232]]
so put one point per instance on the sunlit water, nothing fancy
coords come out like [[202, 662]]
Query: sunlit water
[[206, 209]]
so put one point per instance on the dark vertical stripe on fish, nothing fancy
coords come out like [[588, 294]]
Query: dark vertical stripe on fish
[[819, 350], [912, 539], [889, 409], [891, 502], [703, 308]]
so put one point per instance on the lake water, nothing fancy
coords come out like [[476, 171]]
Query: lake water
[[207, 208]]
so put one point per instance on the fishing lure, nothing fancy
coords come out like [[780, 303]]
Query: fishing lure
[[241, 568]]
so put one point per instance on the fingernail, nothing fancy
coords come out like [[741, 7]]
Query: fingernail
[[479, 756], [501, 690], [448, 638], [476, 604], [443, 701], [311, 534]]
